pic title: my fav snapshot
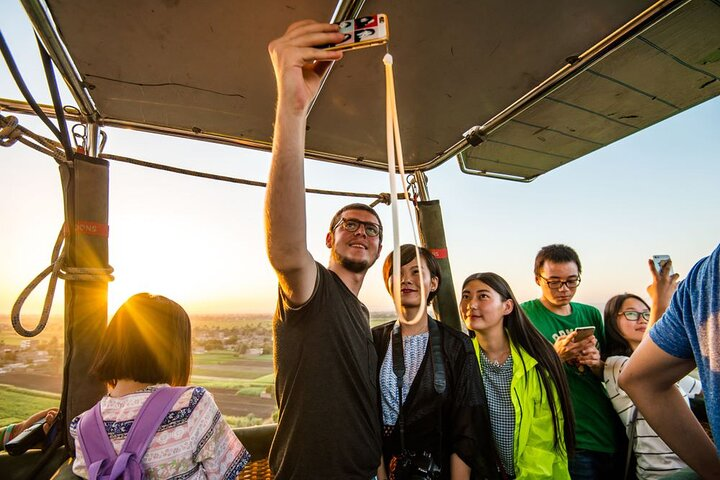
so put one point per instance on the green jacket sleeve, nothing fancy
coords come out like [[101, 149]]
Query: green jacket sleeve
[[536, 457]]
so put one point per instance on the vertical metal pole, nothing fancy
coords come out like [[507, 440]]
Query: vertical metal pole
[[93, 139], [85, 301], [432, 236]]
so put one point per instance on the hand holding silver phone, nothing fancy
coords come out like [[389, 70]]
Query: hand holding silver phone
[[583, 333], [660, 261]]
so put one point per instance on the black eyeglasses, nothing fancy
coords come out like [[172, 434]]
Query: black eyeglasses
[[557, 284], [635, 316], [352, 224]]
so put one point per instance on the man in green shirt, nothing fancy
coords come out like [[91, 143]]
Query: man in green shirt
[[557, 272]]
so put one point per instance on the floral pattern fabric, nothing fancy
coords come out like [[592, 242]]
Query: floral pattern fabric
[[193, 441]]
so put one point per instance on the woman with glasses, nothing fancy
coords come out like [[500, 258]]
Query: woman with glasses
[[527, 391], [627, 320], [435, 418]]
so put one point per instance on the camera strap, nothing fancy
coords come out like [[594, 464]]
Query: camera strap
[[437, 365], [399, 370], [436, 357]]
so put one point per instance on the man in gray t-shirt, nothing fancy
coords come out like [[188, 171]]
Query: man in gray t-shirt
[[325, 362]]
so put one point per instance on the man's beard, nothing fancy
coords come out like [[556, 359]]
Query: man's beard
[[351, 265]]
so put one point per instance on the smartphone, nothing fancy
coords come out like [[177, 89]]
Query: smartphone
[[362, 32], [660, 261], [583, 333], [27, 439]]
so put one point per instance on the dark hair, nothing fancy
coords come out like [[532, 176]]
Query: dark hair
[[355, 206], [615, 343], [556, 253], [148, 341], [407, 255], [524, 334]]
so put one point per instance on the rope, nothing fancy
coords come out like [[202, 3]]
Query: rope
[[382, 197], [86, 274], [9, 133], [15, 72], [12, 132], [56, 269], [56, 261], [63, 135], [394, 146]]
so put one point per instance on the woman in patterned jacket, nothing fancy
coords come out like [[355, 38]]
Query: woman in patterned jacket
[[147, 347]]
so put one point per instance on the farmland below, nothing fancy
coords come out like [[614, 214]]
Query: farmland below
[[232, 358]]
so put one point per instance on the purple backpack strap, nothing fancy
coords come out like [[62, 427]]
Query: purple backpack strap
[[99, 453], [146, 424], [95, 444]]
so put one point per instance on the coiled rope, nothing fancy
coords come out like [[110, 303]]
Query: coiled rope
[[9, 133], [56, 269]]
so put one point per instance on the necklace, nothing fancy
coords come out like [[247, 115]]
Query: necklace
[[496, 362]]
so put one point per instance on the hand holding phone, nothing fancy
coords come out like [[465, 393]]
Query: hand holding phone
[[583, 333], [662, 287], [659, 261], [362, 32]]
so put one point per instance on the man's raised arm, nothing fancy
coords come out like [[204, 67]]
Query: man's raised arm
[[649, 379], [298, 69]]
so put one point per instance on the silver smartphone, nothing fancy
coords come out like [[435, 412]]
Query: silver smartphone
[[660, 261], [583, 333]]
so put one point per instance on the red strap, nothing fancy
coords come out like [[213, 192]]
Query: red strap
[[86, 227]]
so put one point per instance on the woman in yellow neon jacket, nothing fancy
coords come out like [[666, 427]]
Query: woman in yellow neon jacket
[[533, 431]]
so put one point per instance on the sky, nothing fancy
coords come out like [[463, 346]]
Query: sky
[[201, 242]]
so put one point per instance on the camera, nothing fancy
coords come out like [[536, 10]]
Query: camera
[[29, 437], [414, 466]]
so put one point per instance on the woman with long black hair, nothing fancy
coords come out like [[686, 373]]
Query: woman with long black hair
[[527, 392]]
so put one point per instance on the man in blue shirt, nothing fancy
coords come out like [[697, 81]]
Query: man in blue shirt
[[688, 335]]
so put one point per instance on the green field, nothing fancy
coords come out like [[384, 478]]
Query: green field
[[244, 387], [222, 357], [19, 403], [223, 369], [246, 421]]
